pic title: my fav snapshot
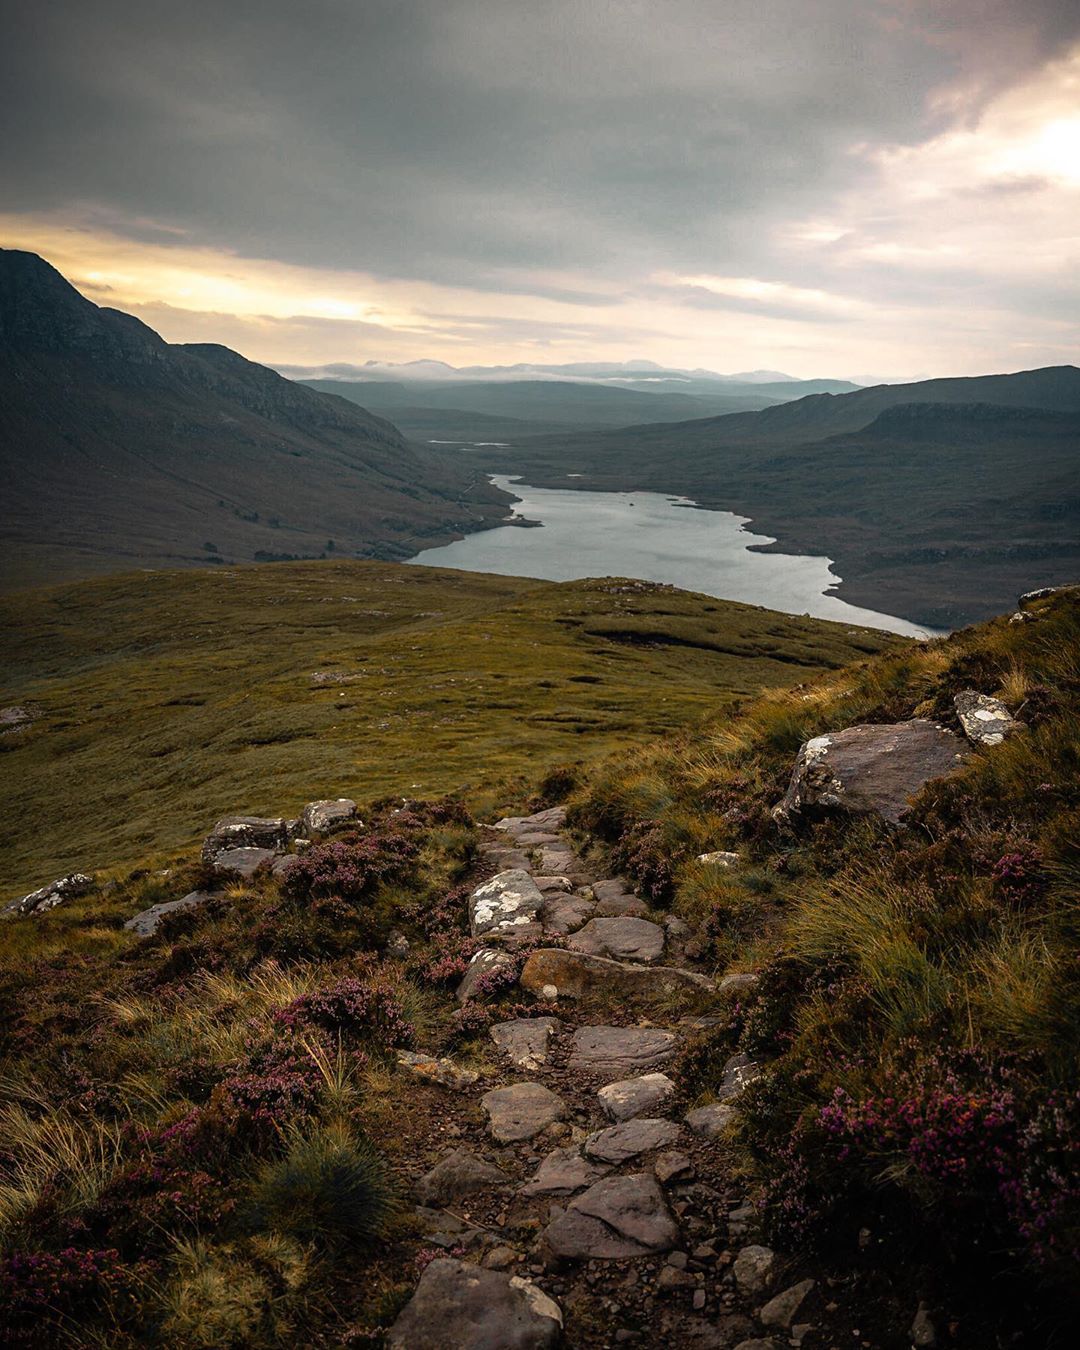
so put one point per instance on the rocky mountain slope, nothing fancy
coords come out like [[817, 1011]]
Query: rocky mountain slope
[[763, 1038], [118, 449]]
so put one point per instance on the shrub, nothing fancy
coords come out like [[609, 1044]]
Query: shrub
[[353, 1006], [351, 868], [75, 1285], [330, 1188]]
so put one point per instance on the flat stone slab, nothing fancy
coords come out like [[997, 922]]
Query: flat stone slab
[[507, 858], [564, 1171], [564, 914], [245, 861], [146, 923], [613, 1050], [554, 973], [612, 888], [621, 907], [487, 961], [551, 818], [620, 1143], [463, 1307], [521, 1111], [986, 720], [506, 901], [632, 1097], [621, 940], [525, 1040], [457, 1176], [559, 860], [616, 1218], [536, 838]]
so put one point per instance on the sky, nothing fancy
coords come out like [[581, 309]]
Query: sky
[[853, 188]]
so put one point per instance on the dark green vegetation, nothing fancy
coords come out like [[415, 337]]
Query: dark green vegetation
[[938, 500], [118, 449], [163, 699], [919, 1005]]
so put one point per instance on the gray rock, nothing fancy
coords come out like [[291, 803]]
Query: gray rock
[[554, 884], [432, 1069], [326, 816], [612, 888], [739, 983], [739, 1072], [711, 1120], [487, 961], [506, 859], [564, 1171], [672, 1167], [564, 914], [146, 922], [1045, 592], [463, 1307], [923, 1330], [244, 861], [457, 1176], [612, 1050], [508, 900], [621, 907], [14, 719], [986, 720], [558, 860], [552, 818], [621, 940], [537, 838], [554, 973], [270, 832], [870, 769], [620, 1143], [521, 1111], [781, 1311], [616, 1218], [755, 1269], [525, 1040], [720, 858], [677, 929], [632, 1097], [71, 887], [758, 1343]]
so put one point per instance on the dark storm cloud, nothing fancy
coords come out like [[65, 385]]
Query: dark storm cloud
[[487, 142]]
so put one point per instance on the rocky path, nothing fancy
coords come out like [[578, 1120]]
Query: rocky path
[[572, 1205]]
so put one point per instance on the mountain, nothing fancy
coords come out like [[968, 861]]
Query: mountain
[[937, 500], [118, 449]]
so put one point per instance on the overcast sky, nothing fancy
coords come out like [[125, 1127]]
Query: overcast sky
[[853, 188]]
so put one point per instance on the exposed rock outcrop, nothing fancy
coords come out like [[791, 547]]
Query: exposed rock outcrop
[[71, 887]]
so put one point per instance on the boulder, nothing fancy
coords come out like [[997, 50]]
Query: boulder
[[432, 1069], [244, 861], [870, 769], [627, 1050], [620, 939], [613, 888], [616, 1218], [487, 961], [564, 914], [525, 1040], [326, 816], [462, 1307], [506, 901], [986, 720], [553, 973], [71, 887], [270, 832], [146, 922], [459, 1175], [521, 1111], [620, 1143], [564, 1171], [632, 1097], [755, 1269]]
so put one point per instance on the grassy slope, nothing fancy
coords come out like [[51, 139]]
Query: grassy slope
[[167, 699]]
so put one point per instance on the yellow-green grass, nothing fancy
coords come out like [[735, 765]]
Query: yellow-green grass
[[163, 700]]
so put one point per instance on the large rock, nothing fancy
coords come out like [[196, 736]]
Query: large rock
[[146, 922], [619, 1143], [986, 720], [525, 1040], [620, 939], [632, 1097], [326, 816], [457, 1176], [616, 1218], [71, 887], [245, 862], [488, 961], [270, 832], [626, 1050], [554, 973], [507, 901], [462, 1307], [564, 1171], [521, 1111], [781, 1311], [870, 769]]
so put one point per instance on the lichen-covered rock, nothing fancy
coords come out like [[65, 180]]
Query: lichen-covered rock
[[616, 1218], [146, 922], [554, 973], [462, 1307], [270, 832], [487, 962], [1045, 592], [755, 1269], [71, 887], [870, 769], [986, 720], [326, 816], [506, 901], [525, 1040]]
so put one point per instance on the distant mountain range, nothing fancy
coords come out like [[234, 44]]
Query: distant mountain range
[[938, 500], [118, 450]]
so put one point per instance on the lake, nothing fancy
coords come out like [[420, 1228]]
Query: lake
[[653, 537]]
